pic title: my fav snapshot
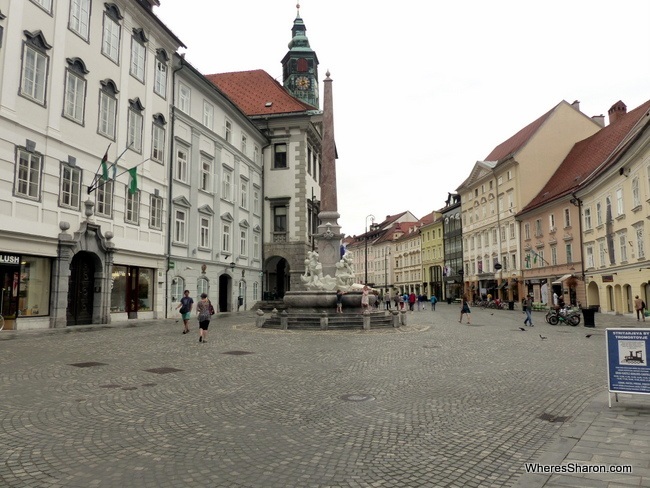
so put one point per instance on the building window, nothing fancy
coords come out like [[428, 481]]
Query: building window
[[511, 202], [567, 218], [33, 289], [243, 200], [639, 243], [132, 214], [178, 287], [280, 156], [602, 253], [184, 95], [255, 291], [228, 131], [280, 220], [75, 91], [180, 236], [70, 190], [158, 139], [551, 222], [182, 162], [503, 233], [155, 212], [256, 153], [256, 201], [620, 209], [569, 253], [538, 228], [35, 64], [225, 238], [79, 17], [107, 109], [527, 231], [202, 286], [494, 236], [28, 175], [226, 185], [138, 54], [134, 128], [44, 4], [244, 143], [206, 175], [104, 199], [208, 114], [256, 246], [622, 240], [599, 214], [160, 77], [590, 256], [204, 233], [554, 255], [243, 242], [111, 34], [636, 196], [587, 214]]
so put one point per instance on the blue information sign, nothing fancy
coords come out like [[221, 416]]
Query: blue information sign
[[627, 360]]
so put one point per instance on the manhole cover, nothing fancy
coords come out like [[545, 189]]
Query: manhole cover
[[356, 397], [552, 418], [237, 353], [89, 364], [163, 370], [148, 384], [110, 386]]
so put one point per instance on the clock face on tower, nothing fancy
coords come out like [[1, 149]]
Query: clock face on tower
[[302, 83]]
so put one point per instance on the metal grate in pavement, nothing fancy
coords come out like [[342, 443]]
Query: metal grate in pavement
[[356, 397], [89, 364], [238, 353], [553, 418], [163, 370]]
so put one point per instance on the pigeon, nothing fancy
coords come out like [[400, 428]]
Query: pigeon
[[492, 313], [588, 336], [542, 337], [521, 328]]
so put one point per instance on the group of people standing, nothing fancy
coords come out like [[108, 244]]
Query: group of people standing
[[204, 311]]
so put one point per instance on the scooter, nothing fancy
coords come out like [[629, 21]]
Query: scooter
[[554, 317]]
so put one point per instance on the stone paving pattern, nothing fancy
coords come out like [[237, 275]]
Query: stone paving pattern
[[438, 404]]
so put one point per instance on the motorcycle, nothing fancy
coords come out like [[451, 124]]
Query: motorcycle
[[565, 315]]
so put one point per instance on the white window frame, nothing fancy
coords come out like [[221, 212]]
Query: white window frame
[[134, 134], [28, 177], [182, 163], [244, 143], [180, 226], [226, 185], [227, 130], [158, 143], [79, 18], [138, 59], [602, 253], [587, 217], [243, 241], [70, 187], [567, 218], [34, 74], [225, 237], [44, 4], [155, 212], [554, 255], [111, 34], [132, 207], [620, 206], [599, 214], [590, 256], [256, 200], [636, 194], [640, 242], [568, 249], [243, 194], [202, 286], [256, 245], [184, 98], [74, 97], [205, 234], [622, 246], [104, 198], [208, 114], [205, 182], [160, 78], [107, 114]]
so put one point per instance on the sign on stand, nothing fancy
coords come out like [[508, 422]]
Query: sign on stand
[[627, 361]]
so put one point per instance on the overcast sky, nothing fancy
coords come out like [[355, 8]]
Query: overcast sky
[[424, 89]]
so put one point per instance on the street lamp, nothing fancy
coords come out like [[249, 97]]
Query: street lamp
[[372, 219]]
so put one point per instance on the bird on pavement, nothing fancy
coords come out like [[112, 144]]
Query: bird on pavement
[[521, 328], [542, 337], [588, 336]]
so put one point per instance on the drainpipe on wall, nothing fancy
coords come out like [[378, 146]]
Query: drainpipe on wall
[[578, 203]]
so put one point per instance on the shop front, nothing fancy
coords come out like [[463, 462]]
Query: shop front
[[132, 290]]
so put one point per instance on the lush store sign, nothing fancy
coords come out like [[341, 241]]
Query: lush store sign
[[9, 259]]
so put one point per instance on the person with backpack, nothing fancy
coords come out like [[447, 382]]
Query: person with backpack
[[639, 306], [185, 306], [433, 301], [204, 311]]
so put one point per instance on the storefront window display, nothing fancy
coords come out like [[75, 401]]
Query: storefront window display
[[34, 286], [132, 289]]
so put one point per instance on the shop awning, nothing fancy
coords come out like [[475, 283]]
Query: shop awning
[[562, 279]]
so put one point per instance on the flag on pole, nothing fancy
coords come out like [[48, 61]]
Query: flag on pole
[[133, 180], [104, 166]]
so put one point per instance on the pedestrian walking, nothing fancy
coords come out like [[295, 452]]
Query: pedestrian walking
[[387, 300], [204, 312], [422, 298], [339, 301], [639, 306], [396, 300], [185, 306], [464, 310], [528, 308], [433, 301], [412, 298]]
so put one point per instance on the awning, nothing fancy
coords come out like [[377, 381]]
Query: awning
[[503, 285], [562, 279]]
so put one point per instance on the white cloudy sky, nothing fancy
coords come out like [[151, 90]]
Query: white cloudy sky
[[424, 89]]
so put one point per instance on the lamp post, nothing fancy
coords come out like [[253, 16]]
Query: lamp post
[[386, 254], [372, 219]]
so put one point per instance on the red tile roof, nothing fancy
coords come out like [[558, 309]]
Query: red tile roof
[[514, 143], [587, 156], [252, 91]]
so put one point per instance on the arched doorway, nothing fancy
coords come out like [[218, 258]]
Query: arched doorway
[[225, 292], [593, 297], [628, 300], [81, 289], [277, 272]]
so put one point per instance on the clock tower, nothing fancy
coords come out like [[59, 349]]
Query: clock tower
[[300, 65]]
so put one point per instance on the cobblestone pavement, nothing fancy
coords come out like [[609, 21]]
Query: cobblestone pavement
[[433, 404]]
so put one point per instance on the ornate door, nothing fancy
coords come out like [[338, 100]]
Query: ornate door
[[81, 290]]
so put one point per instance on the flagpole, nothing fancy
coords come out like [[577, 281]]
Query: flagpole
[[92, 186], [95, 185], [141, 162]]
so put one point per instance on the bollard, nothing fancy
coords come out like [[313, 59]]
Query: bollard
[[260, 319], [404, 315], [395, 318], [324, 321], [284, 320], [366, 320]]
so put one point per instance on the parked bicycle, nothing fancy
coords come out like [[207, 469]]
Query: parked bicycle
[[565, 315]]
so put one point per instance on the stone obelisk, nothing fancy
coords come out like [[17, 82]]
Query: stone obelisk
[[328, 239]]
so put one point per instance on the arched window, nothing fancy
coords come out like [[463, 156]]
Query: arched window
[[178, 286], [202, 286]]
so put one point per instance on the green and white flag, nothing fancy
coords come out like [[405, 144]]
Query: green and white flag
[[133, 180], [104, 165]]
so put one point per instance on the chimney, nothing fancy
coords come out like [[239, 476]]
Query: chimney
[[616, 111], [576, 105], [599, 119]]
